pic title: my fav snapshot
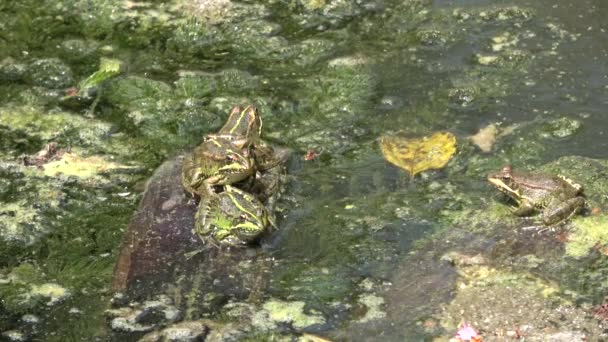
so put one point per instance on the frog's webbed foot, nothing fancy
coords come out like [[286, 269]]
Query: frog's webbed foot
[[209, 240], [272, 221], [540, 228], [558, 212]]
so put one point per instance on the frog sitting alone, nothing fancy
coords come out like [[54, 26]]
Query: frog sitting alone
[[558, 198]]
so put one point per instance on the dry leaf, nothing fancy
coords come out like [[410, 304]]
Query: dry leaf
[[419, 154], [485, 138]]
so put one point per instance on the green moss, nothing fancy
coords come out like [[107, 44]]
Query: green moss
[[587, 233], [195, 86], [561, 127], [292, 312], [50, 73], [52, 293], [15, 290], [481, 219], [20, 223], [374, 305], [134, 92], [47, 126]]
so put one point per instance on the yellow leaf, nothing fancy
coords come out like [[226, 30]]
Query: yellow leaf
[[419, 154]]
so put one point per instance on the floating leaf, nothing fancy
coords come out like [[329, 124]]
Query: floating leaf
[[108, 68], [485, 137], [419, 154]]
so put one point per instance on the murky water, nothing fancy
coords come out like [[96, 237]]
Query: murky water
[[329, 78]]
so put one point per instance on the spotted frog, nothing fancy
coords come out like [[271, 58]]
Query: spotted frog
[[243, 127], [232, 217], [215, 162], [558, 198], [225, 157]]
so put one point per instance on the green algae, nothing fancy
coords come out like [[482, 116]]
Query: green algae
[[373, 305], [20, 223], [481, 220], [587, 233], [561, 128], [133, 92], [36, 127], [292, 313], [24, 290], [46, 126]]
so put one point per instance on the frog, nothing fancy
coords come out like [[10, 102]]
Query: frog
[[243, 127], [556, 197], [270, 170], [214, 163], [224, 157], [232, 218]]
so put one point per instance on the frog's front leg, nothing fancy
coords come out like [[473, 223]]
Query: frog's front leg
[[525, 209], [559, 211]]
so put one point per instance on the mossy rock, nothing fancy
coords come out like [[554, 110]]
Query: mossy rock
[[160, 249]]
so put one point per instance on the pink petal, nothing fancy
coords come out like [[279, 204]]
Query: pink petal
[[466, 332]]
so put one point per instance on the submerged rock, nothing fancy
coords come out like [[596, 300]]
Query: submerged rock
[[560, 128], [183, 331], [12, 71], [143, 317], [492, 300], [50, 73], [292, 313]]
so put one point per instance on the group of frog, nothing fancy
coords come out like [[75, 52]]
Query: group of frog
[[236, 177]]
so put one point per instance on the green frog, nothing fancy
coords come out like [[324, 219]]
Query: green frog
[[243, 127], [557, 197], [216, 162], [232, 217], [225, 157]]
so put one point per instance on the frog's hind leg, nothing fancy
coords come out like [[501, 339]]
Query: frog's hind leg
[[563, 210]]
